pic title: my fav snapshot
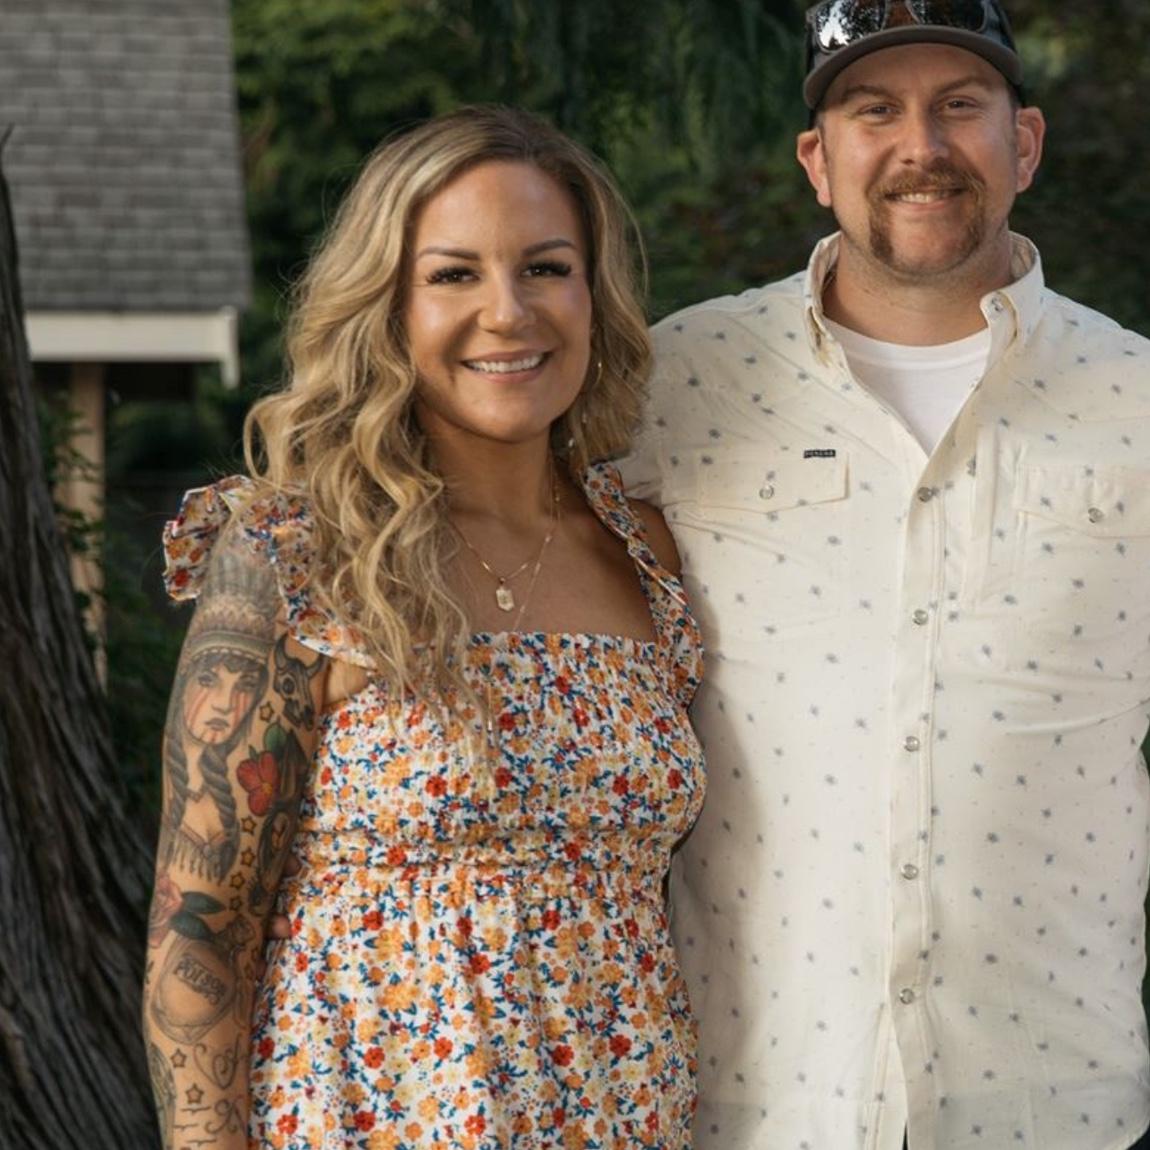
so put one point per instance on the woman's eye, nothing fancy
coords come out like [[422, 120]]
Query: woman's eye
[[449, 275], [548, 268]]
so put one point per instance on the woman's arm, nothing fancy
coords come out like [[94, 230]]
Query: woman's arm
[[240, 736]]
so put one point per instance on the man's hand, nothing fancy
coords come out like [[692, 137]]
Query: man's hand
[[278, 925]]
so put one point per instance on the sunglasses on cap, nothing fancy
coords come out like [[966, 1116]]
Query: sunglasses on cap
[[836, 23], [841, 31]]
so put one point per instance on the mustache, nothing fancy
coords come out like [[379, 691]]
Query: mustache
[[941, 177]]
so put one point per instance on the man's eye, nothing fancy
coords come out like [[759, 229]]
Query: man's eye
[[548, 268]]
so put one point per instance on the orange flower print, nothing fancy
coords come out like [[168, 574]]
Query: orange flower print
[[479, 956]]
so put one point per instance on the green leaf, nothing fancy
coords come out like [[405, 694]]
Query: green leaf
[[196, 902], [190, 926], [275, 739]]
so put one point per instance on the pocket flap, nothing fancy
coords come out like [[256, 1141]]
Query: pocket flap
[[761, 481], [1106, 502]]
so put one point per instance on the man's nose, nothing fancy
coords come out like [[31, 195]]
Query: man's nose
[[923, 138]]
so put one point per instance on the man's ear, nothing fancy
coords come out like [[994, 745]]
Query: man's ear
[[1030, 131], [810, 153]]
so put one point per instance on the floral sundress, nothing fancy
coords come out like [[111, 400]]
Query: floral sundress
[[480, 957]]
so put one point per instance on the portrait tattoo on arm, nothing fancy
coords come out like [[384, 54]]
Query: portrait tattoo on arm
[[240, 733], [222, 674]]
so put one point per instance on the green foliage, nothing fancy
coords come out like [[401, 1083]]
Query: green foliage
[[320, 85], [1089, 212], [142, 647]]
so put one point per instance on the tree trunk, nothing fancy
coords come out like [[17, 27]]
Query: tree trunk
[[74, 872]]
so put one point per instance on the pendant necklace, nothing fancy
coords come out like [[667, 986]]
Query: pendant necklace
[[504, 596]]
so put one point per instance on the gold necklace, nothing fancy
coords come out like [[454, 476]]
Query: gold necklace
[[504, 596]]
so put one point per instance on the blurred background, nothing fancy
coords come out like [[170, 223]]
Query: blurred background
[[172, 165]]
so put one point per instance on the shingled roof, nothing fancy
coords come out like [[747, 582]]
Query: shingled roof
[[124, 161]]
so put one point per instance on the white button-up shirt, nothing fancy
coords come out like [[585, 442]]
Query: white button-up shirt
[[914, 898]]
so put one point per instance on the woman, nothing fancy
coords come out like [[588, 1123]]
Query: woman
[[473, 736]]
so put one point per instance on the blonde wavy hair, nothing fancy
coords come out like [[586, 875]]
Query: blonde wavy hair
[[343, 433]]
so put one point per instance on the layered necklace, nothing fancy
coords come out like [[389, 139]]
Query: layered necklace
[[504, 595]]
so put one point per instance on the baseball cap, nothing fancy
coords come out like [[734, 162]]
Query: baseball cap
[[842, 31]]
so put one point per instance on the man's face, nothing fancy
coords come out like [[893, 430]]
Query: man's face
[[920, 151]]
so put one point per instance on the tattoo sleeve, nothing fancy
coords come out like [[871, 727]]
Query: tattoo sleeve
[[240, 735]]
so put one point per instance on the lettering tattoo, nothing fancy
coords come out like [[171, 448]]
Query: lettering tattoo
[[219, 1066], [208, 968]]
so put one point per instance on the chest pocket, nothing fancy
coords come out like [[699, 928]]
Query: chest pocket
[[1082, 568], [763, 537]]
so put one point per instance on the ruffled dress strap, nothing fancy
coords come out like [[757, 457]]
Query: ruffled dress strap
[[679, 642], [278, 526]]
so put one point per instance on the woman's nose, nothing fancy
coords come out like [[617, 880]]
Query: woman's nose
[[505, 306]]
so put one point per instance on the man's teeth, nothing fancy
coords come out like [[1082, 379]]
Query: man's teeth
[[924, 197], [504, 366]]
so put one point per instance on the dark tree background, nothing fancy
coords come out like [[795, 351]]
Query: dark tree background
[[74, 872]]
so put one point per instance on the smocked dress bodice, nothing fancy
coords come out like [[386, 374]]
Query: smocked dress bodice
[[479, 955]]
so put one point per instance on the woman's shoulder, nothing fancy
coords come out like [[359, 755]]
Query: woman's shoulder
[[276, 524], [603, 484]]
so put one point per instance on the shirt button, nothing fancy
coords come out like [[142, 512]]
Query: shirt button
[[1095, 514], [911, 743], [906, 996], [921, 617], [925, 495], [766, 491], [909, 871]]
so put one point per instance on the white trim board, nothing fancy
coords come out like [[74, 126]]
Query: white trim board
[[111, 337]]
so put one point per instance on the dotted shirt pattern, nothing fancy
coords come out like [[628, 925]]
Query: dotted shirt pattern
[[914, 898]]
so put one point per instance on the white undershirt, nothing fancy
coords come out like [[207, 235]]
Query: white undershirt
[[925, 385]]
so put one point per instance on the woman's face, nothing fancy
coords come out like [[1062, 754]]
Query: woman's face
[[498, 312], [217, 700]]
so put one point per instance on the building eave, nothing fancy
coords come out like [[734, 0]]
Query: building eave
[[137, 337]]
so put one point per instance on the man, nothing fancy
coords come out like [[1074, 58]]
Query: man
[[911, 489]]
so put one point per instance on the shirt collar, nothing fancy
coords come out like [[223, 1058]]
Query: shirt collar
[[1020, 302]]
